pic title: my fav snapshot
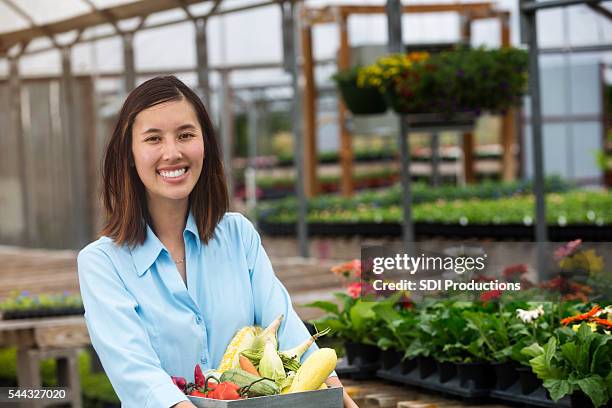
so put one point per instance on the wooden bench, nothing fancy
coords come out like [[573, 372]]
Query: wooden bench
[[39, 339]]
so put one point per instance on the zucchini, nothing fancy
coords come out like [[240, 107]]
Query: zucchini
[[242, 378]]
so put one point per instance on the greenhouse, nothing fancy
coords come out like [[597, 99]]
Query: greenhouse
[[306, 203]]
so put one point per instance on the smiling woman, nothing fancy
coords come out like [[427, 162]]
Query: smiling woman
[[174, 275]]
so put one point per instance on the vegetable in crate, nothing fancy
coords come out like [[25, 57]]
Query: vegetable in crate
[[315, 370], [298, 352], [247, 365], [242, 340], [247, 338], [291, 358], [244, 379], [271, 365]]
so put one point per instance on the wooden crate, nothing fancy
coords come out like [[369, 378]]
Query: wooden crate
[[328, 398]]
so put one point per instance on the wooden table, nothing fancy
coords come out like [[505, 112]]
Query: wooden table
[[59, 338]]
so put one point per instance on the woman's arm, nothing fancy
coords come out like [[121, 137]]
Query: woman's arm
[[335, 382], [119, 336]]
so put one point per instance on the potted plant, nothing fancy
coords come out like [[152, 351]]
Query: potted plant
[[577, 360], [360, 99], [461, 81], [354, 322], [396, 333]]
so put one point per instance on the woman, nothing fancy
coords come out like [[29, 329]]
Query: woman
[[174, 275]]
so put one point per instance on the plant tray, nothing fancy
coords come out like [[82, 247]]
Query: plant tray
[[328, 398], [39, 313], [410, 374], [538, 398], [432, 383], [357, 371]]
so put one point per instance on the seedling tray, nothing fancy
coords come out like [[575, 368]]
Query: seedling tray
[[328, 398], [537, 398], [357, 371]]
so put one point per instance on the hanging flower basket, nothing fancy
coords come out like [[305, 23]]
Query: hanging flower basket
[[463, 81], [364, 100]]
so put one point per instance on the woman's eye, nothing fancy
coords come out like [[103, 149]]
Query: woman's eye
[[186, 135], [152, 139]]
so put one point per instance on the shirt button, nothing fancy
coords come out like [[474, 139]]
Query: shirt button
[[203, 360], [198, 320]]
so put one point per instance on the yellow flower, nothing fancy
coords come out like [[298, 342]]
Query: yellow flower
[[592, 325]]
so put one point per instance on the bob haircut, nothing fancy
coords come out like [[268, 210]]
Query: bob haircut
[[124, 194]]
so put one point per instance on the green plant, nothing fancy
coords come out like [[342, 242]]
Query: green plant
[[398, 330], [389, 200], [442, 332], [19, 301], [461, 80], [575, 361], [354, 321], [577, 207]]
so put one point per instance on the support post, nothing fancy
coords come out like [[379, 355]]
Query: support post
[[508, 129], [291, 23], [128, 61], [468, 157], [202, 59], [310, 109], [14, 84], [528, 22], [76, 151], [346, 142], [435, 159], [394, 25], [227, 130], [250, 176], [467, 144]]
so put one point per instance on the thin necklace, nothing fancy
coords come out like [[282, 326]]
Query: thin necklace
[[179, 261]]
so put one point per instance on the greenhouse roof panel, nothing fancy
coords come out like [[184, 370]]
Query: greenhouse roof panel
[[42, 12], [23, 20]]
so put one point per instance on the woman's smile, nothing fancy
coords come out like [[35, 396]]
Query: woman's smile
[[173, 176]]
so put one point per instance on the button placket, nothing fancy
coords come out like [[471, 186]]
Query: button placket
[[204, 355]]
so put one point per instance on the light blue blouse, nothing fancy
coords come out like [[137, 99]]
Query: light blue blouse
[[146, 325]]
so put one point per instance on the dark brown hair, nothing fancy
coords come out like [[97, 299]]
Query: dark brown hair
[[124, 194]]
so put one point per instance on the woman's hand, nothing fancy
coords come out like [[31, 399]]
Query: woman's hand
[[335, 382], [183, 404]]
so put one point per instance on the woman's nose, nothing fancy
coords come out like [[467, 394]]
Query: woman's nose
[[171, 151]]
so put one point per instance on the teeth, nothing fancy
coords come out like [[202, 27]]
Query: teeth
[[172, 173]]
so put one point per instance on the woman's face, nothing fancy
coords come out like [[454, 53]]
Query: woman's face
[[168, 150]]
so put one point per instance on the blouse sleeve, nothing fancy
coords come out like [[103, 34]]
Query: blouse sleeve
[[271, 297], [119, 337]]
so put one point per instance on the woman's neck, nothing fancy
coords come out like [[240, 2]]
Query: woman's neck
[[169, 218]]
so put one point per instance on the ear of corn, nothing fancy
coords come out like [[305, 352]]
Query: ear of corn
[[315, 370], [241, 341]]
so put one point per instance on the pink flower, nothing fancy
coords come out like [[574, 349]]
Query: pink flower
[[568, 249], [356, 267], [354, 289]]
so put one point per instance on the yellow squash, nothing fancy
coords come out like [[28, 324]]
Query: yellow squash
[[314, 371]]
